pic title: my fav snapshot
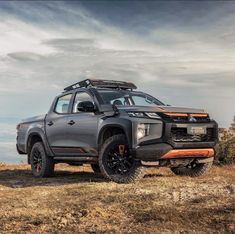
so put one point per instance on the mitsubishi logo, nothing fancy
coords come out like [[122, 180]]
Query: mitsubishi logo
[[191, 118]]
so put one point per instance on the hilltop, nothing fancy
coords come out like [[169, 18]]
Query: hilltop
[[76, 200]]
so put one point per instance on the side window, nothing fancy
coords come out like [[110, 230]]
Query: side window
[[118, 102], [81, 97], [142, 101], [62, 105]]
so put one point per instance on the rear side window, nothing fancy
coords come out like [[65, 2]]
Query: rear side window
[[62, 105]]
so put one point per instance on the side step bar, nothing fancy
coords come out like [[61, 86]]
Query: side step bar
[[76, 159]]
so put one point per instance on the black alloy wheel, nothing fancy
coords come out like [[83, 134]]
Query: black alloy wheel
[[119, 159], [42, 165], [117, 163], [37, 160]]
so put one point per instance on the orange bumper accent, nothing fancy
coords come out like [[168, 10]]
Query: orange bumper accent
[[176, 114], [199, 115], [189, 153], [185, 114]]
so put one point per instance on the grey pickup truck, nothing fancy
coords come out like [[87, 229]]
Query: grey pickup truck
[[119, 132]]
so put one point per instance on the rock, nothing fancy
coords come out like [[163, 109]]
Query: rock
[[64, 221], [231, 188]]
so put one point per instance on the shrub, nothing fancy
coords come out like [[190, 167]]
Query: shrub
[[226, 154]]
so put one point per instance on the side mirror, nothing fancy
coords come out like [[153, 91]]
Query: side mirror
[[86, 106]]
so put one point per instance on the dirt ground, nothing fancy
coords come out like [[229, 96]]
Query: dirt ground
[[76, 200]]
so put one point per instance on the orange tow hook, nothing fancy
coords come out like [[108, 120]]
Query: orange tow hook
[[121, 149]]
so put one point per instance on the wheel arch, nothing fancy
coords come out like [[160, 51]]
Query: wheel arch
[[110, 129], [32, 139], [37, 135]]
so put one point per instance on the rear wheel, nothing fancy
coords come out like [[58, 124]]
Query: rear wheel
[[193, 169], [41, 164], [116, 162]]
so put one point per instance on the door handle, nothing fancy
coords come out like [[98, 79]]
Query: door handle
[[71, 122], [50, 123]]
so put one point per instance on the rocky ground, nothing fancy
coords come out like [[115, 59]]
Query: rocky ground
[[76, 200]]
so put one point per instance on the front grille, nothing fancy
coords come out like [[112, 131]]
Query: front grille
[[181, 135], [185, 119]]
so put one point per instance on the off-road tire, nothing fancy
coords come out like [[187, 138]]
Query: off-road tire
[[135, 173], [96, 168], [196, 171], [47, 163]]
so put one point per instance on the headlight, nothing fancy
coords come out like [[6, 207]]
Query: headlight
[[151, 115], [136, 114], [142, 130]]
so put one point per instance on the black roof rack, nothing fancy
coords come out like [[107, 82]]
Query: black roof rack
[[101, 84]]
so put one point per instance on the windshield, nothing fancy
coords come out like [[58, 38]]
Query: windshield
[[127, 98]]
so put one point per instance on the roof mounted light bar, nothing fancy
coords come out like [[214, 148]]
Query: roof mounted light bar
[[112, 84]]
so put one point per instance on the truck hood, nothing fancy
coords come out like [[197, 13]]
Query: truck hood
[[162, 109]]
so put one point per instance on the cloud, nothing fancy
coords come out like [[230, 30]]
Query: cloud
[[25, 56], [181, 58], [71, 41], [18, 36]]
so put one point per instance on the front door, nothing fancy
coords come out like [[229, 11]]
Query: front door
[[82, 133]]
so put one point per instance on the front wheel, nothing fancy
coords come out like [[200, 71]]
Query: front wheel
[[116, 162], [41, 164], [193, 169]]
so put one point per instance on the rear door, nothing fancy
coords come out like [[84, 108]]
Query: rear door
[[57, 125]]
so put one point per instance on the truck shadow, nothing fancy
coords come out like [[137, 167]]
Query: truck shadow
[[21, 178]]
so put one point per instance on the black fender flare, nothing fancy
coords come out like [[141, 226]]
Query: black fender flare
[[39, 132], [124, 124]]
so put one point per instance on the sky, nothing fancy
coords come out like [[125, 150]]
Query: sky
[[182, 52]]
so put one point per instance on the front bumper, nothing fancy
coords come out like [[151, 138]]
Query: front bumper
[[156, 152], [167, 147]]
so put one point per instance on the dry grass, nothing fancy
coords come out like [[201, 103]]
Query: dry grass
[[77, 201]]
